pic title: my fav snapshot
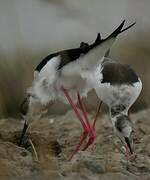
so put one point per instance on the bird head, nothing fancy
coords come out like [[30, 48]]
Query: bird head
[[30, 105], [123, 127], [24, 106]]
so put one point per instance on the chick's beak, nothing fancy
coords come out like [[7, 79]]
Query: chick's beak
[[129, 144]]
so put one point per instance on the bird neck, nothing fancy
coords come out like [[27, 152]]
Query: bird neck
[[117, 110], [114, 118]]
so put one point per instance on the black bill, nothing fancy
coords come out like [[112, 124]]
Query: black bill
[[129, 144]]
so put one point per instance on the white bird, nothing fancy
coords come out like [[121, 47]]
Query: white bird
[[118, 86], [63, 76]]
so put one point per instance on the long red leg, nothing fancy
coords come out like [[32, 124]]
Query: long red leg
[[92, 133], [84, 125], [97, 113], [92, 138], [74, 108], [83, 109]]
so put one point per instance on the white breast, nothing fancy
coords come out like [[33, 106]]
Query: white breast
[[48, 82]]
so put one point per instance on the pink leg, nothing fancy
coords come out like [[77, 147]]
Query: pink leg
[[84, 125], [92, 138], [92, 133], [83, 109], [97, 113]]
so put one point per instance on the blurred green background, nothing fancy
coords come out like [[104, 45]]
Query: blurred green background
[[31, 29]]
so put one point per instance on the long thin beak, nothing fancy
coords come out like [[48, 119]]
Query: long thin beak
[[129, 144]]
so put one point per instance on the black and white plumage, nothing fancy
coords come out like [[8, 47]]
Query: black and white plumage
[[67, 73], [118, 86], [69, 68]]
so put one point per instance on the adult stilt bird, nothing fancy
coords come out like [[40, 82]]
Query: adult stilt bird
[[63, 76]]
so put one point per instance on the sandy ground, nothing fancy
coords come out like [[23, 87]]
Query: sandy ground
[[55, 138]]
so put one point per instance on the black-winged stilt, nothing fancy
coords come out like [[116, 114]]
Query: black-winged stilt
[[118, 86], [63, 76]]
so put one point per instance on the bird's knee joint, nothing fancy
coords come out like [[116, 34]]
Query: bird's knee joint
[[86, 131]]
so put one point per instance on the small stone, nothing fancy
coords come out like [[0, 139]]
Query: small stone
[[51, 121]]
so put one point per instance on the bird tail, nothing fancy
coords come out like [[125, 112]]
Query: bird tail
[[101, 47]]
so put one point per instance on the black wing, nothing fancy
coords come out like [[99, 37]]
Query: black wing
[[66, 57], [44, 61], [115, 73]]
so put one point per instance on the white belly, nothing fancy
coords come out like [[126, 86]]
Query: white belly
[[73, 84]]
